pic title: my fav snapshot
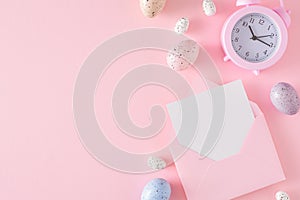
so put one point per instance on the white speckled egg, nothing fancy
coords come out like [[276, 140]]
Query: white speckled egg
[[156, 163], [157, 189], [151, 8], [182, 25], [285, 98], [282, 196], [183, 54], [209, 7]]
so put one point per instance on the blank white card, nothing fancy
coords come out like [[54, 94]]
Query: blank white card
[[225, 118]]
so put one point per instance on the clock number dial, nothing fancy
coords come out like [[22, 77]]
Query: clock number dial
[[255, 37], [245, 24], [261, 21], [269, 27]]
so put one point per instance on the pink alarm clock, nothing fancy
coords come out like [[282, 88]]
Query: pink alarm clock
[[255, 37]]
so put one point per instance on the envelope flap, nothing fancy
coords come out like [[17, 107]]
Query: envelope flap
[[256, 110]]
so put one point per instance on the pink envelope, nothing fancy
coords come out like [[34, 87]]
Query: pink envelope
[[256, 166]]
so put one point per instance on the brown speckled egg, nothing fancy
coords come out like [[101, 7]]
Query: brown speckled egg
[[285, 98], [151, 8]]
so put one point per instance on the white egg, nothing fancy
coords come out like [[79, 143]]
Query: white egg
[[182, 25], [183, 55], [282, 196], [156, 163], [209, 7], [151, 8]]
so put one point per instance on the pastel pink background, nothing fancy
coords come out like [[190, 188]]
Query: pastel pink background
[[43, 44]]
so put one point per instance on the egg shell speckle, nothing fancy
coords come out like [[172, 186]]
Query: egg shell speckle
[[285, 98], [183, 55], [182, 25], [151, 8], [157, 189], [282, 196]]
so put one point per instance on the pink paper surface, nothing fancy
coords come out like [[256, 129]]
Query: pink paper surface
[[43, 45]]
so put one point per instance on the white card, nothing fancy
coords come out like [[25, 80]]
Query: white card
[[225, 118]]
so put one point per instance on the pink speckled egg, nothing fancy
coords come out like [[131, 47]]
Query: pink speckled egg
[[151, 8], [285, 98]]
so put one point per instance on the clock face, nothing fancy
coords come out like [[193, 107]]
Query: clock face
[[255, 37]]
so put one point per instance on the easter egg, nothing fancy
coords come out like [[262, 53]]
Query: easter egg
[[209, 7], [285, 98], [183, 54], [282, 196], [156, 163], [182, 25], [151, 8], [157, 189]]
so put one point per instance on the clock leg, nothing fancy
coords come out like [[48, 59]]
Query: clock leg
[[226, 58], [256, 72]]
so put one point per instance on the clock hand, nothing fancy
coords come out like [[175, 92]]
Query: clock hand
[[263, 36], [263, 42], [253, 35]]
